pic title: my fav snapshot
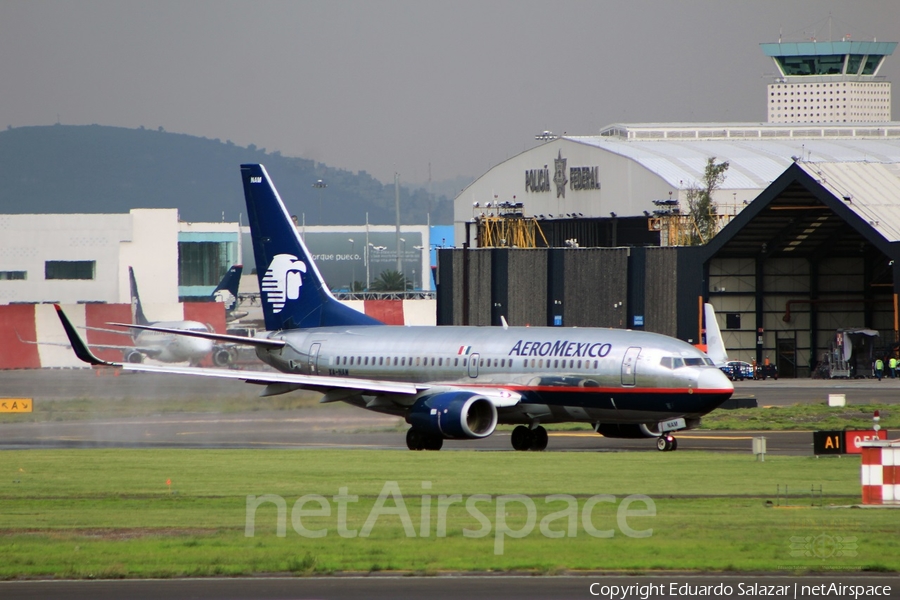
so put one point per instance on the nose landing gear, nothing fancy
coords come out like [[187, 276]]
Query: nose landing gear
[[666, 443]]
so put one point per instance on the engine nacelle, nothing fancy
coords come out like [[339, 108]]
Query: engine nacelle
[[134, 357], [222, 357], [454, 415]]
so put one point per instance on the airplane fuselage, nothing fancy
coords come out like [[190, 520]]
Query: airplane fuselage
[[562, 374], [171, 348]]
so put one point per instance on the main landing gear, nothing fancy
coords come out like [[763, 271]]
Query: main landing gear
[[524, 438], [666, 443], [419, 440]]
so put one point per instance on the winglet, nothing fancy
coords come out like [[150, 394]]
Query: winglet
[[81, 350]]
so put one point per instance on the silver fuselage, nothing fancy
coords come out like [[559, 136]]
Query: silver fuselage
[[172, 348], [563, 374]]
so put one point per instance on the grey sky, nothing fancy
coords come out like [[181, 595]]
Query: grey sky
[[394, 85]]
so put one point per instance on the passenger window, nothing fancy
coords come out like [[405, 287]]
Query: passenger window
[[418, 361], [465, 360], [381, 360], [395, 361], [456, 362], [403, 362], [351, 361], [367, 361], [556, 364], [579, 364]]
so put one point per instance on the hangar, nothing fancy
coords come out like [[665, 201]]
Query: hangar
[[816, 253]]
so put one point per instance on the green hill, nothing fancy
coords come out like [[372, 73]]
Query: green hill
[[99, 169]]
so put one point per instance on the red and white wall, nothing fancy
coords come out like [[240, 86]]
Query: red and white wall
[[31, 336]]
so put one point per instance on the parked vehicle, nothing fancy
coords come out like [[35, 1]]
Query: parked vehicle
[[738, 370]]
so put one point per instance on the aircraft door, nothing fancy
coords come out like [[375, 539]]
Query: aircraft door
[[629, 365], [314, 359], [473, 365]]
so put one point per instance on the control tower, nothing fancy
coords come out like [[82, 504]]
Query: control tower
[[829, 82]]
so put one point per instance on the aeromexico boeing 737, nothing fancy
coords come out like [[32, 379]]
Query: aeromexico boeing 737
[[453, 382]]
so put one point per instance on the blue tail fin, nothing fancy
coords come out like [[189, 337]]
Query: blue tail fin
[[227, 290], [293, 293], [137, 312]]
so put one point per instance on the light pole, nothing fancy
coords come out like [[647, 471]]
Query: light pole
[[353, 265], [369, 260], [400, 260], [320, 185]]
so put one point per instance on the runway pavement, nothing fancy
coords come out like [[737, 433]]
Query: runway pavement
[[341, 426]]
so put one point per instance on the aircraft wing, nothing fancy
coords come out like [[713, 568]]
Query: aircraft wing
[[105, 330], [287, 381], [277, 382], [218, 337], [151, 352]]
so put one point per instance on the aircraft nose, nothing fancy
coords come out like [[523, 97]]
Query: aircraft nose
[[714, 379]]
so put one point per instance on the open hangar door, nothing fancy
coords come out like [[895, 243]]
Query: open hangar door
[[814, 255]]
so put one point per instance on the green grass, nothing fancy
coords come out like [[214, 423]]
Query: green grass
[[803, 417], [110, 513]]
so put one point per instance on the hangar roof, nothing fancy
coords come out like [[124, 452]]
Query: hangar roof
[[818, 210], [758, 153], [871, 190]]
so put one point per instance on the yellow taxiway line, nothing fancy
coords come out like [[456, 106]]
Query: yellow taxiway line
[[682, 436]]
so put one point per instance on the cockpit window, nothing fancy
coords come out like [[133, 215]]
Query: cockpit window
[[675, 362]]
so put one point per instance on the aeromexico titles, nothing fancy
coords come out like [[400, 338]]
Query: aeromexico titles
[[453, 382]]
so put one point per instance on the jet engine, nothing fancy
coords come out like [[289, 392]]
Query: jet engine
[[455, 415], [134, 357], [222, 357]]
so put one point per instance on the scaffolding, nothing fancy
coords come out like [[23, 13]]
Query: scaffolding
[[677, 229], [504, 225]]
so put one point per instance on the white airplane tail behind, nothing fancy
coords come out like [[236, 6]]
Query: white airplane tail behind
[[715, 346]]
